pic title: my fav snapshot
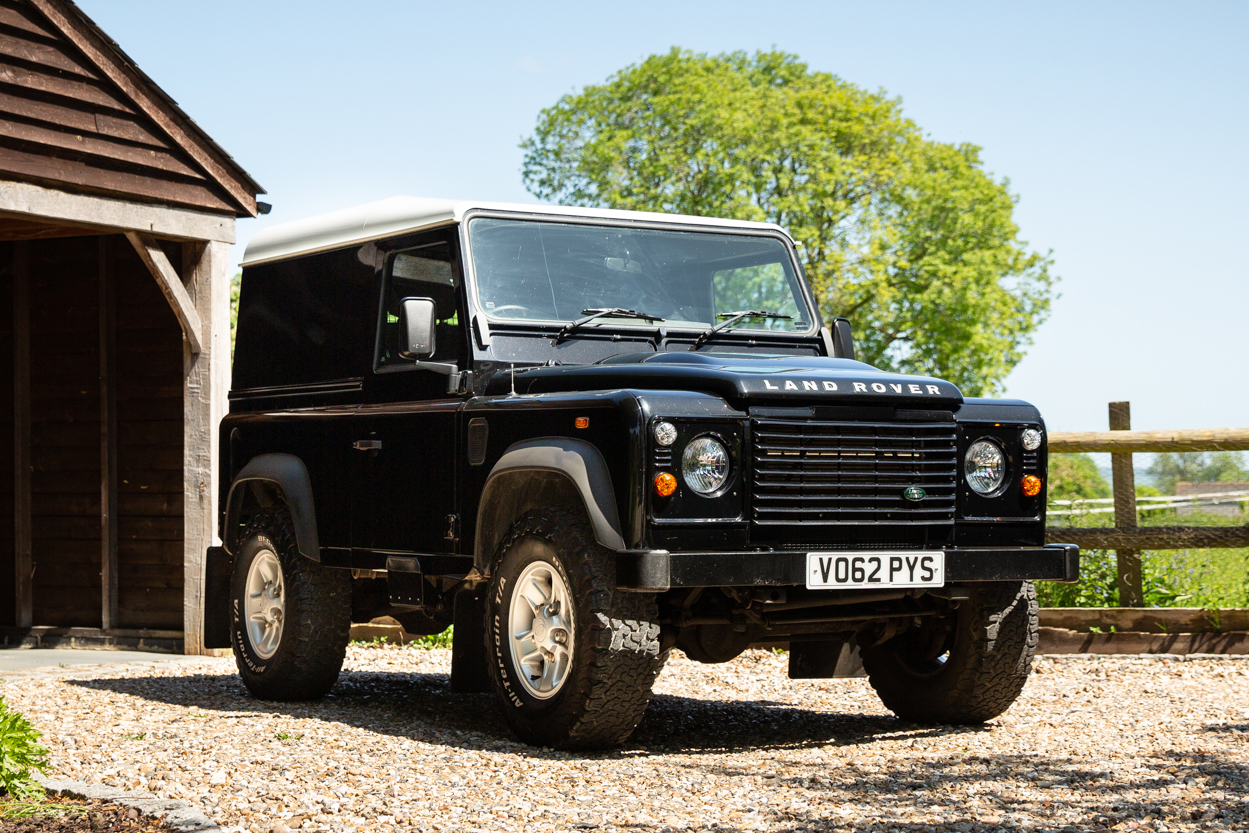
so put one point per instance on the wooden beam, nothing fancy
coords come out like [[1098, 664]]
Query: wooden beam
[[28, 201], [207, 268], [1150, 537], [1146, 619], [1216, 439], [166, 116], [109, 562], [23, 566], [171, 285]]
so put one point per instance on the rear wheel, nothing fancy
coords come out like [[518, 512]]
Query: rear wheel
[[967, 667], [290, 616], [572, 659]]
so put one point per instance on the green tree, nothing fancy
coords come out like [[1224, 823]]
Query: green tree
[[236, 284], [1197, 467], [1075, 477], [907, 237]]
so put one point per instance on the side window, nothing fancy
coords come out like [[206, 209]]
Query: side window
[[763, 287], [422, 272], [305, 320]]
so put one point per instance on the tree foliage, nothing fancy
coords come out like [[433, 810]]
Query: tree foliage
[[1075, 477], [1197, 467], [907, 237]]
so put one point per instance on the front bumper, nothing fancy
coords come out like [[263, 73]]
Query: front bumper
[[660, 570]]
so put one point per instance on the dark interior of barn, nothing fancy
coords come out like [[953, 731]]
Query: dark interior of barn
[[91, 368]]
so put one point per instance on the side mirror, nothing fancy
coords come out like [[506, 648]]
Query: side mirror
[[843, 340], [417, 320]]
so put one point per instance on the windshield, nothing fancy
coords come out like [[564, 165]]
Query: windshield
[[552, 272]]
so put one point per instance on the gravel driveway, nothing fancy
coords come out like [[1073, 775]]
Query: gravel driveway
[[1094, 743]]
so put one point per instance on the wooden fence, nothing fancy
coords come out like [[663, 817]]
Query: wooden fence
[[1126, 537]]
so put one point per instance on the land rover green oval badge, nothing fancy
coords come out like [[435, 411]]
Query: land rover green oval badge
[[914, 493]]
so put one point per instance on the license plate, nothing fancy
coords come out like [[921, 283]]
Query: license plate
[[849, 570]]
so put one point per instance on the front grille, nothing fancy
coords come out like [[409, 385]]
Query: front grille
[[811, 473]]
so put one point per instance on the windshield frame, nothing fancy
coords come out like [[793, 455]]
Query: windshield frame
[[479, 314]]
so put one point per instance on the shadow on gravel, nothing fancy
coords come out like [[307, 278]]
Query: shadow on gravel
[[1177, 789], [692, 725], [422, 707]]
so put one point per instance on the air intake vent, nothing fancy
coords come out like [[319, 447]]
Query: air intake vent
[[478, 433], [812, 473]]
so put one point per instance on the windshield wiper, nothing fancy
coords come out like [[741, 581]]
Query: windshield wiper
[[591, 314], [732, 318]]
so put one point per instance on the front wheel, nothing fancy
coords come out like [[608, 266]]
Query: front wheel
[[290, 616], [964, 668], [572, 659]]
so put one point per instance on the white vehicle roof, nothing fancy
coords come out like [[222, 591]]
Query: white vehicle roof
[[399, 215]]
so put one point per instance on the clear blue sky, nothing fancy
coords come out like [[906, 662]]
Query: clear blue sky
[[1121, 126]]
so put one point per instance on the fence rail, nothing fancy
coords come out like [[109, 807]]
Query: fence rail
[[1126, 538], [1217, 439]]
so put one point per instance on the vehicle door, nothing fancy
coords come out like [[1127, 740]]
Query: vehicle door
[[404, 470]]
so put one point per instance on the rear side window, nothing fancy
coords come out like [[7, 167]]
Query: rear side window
[[306, 320]]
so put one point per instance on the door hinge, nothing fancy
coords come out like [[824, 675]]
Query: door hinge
[[453, 528]]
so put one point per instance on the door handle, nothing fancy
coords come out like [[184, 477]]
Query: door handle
[[367, 445]]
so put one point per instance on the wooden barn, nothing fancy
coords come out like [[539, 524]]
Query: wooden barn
[[116, 217]]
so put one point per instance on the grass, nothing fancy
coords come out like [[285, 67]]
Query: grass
[[19, 809], [287, 736], [1209, 578], [420, 643]]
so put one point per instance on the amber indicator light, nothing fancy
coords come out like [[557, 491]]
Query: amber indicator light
[[1032, 485], [582, 422], [665, 484]]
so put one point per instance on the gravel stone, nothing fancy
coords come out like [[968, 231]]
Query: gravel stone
[[1094, 743]]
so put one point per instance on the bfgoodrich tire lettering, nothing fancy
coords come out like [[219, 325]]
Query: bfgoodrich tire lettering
[[303, 662], [971, 670], [614, 650]]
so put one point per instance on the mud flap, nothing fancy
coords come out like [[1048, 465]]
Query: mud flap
[[219, 567], [468, 643]]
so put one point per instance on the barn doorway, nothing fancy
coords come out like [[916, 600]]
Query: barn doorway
[[91, 369]]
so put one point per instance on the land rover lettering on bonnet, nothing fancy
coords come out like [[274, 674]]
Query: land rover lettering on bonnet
[[586, 438]]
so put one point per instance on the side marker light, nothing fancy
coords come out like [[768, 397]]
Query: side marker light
[[665, 484], [1031, 485], [582, 422]]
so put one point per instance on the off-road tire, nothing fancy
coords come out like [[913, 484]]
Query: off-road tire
[[317, 620], [991, 644], [615, 655]]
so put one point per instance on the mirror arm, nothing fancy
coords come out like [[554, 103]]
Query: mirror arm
[[455, 379]]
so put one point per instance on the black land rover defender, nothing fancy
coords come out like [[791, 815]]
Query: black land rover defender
[[587, 437]]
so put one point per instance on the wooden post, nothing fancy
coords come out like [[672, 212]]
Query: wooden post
[[22, 556], [108, 439], [1128, 562], [205, 269]]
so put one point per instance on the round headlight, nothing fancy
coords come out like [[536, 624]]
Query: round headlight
[[1031, 439], [984, 467], [705, 465], [665, 433]]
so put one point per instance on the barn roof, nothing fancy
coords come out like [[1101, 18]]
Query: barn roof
[[398, 215], [76, 113]]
